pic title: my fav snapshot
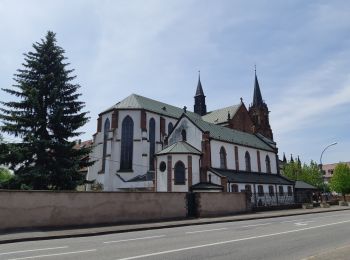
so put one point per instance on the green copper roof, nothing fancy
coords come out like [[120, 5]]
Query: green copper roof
[[139, 102], [179, 147], [228, 135], [220, 116]]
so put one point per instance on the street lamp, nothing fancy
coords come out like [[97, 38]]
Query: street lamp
[[324, 187]]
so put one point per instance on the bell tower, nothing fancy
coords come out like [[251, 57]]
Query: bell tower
[[200, 107], [259, 113]]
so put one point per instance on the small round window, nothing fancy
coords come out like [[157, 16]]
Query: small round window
[[162, 166]]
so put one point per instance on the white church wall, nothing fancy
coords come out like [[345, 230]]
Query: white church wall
[[272, 161], [193, 134], [195, 169], [214, 178], [162, 177], [253, 158], [215, 147], [179, 187]]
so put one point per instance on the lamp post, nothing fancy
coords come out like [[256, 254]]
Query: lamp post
[[324, 186]]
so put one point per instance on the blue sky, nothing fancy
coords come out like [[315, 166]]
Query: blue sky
[[155, 48]]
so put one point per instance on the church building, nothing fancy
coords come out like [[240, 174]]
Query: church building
[[142, 144]]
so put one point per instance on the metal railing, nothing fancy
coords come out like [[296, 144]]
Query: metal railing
[[260, 200]]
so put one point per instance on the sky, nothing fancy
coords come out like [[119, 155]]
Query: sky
[[155, 48]]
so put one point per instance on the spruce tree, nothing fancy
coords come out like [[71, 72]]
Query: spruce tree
[[46, 115]]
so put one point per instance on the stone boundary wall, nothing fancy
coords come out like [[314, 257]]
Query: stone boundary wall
[[35, 209], [221, 203]]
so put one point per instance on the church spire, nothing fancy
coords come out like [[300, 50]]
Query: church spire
[[199, 91], [257, 98], [259, 112], [199, 99]]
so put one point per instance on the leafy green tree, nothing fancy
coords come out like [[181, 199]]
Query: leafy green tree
[[46, 115], [308, 173], [292, 170], [311, 174], [340, 181]]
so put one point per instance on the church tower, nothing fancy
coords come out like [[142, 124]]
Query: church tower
[[199, 99], [259, 113]]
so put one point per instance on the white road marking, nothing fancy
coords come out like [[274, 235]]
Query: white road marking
[[132, 239], [66, 253], [304, 223], [288, 221], [207, 230], [256, 225], [32, 250], [230, 241]]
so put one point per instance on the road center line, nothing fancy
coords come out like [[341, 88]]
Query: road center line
[[289, 221], [256, 225], [66, 253], [32, 250], [207, 230], [230, 241], [133, 239]]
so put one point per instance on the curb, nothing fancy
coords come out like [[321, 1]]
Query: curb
[[133, 229]]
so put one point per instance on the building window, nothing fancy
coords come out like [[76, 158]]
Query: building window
[[268, 164], [106, 128], [223, 162], [179, 173], [248, 188], [183, 134], [152, 142], [162, 166], [271, 190], [127, 144], [290, 192], [247, 162], [280, 190], [234, 188], [170, 128], [260, 191]]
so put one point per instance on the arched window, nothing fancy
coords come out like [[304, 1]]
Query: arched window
[[248, 167], [170, 127], [248, 188], [290, 192], [271, 190], [179, 173], [268, 164], [105, 137], [183, 134], [152, 142], [127, 144], [260, 191], [223, 164], [234, 188]]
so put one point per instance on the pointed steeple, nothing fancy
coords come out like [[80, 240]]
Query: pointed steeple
[[200, 107], [291, 158], [259, 112], [199, 91], [284, 158], [257, 98]]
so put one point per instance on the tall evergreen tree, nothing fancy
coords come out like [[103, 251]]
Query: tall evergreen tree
[[47, 116]]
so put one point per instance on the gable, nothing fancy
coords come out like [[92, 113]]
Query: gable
[[241, 120], [193, 133]]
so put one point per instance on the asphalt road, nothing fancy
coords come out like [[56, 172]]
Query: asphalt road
[[295, 237]]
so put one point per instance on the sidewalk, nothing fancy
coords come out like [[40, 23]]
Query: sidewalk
[[92, 231]]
